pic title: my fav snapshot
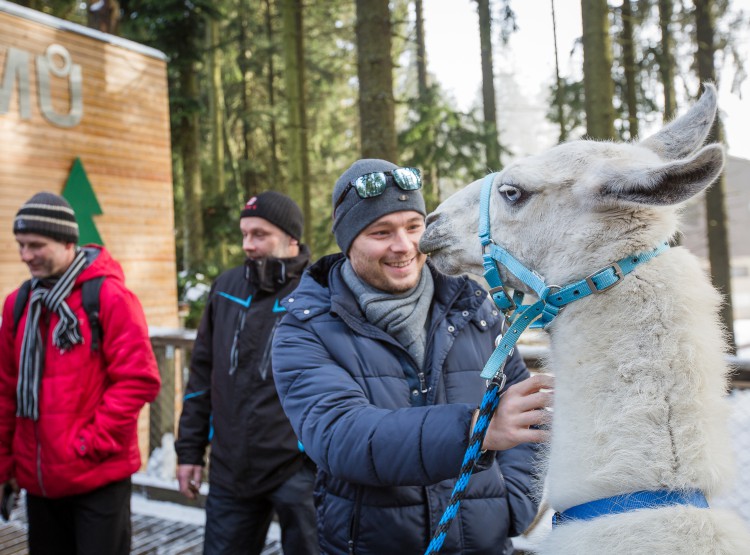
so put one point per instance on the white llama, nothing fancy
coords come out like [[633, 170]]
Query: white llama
[[640, 371]]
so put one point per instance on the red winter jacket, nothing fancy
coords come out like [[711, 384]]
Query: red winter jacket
[[86, 435]]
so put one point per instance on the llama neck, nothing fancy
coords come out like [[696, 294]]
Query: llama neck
[[638, 375]]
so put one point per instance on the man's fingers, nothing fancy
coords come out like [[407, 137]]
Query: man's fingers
[[533, 384], [533, 401], [534, 418], [533, 436]]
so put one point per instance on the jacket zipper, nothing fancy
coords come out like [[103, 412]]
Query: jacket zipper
[[267, 352], [45, 336], [354, 523], [422, 382], [39, 460]]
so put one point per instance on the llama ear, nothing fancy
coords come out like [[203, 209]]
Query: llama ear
[[686, 134], [669, 183]]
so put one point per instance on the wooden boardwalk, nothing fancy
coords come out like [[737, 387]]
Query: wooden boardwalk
[[151, 536]]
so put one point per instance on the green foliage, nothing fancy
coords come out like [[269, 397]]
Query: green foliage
[[72, 10], [433, 135], [436, 136], [572, 101], [192, 292]]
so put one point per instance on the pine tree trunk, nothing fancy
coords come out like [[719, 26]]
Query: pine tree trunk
[[558, 91], [249, 176], [216, 112], [630, 67], [375, 74], [597, 70], [666, 59], [216, 105], [429, 171], [191, 169], [273, 171], [716, 214], [492, 142], [421, 51], [104, 17], [294, 75]]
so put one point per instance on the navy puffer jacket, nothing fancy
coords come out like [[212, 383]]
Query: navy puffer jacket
[[388, 454]]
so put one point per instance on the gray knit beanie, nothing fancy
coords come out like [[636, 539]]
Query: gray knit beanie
[[49, 215], [354, 213]]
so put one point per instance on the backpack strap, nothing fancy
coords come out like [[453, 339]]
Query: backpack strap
[[90, 293], [21, 300]]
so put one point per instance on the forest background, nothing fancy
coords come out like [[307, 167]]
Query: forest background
[[286, 94]]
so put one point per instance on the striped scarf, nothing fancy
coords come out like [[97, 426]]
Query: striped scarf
[[66, 334]]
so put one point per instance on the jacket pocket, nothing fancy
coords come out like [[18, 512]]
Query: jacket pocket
[[88, 445]]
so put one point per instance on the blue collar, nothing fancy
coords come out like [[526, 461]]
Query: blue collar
[[552, 298], [630, 502]]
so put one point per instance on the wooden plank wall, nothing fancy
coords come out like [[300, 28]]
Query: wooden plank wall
[[123, 142]]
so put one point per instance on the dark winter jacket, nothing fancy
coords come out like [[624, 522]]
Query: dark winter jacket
[[387, 453], [89, 401], [231, 400]]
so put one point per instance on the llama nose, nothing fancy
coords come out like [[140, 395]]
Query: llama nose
[[432, 218]]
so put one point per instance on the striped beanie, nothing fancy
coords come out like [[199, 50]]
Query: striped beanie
[[49, 215]]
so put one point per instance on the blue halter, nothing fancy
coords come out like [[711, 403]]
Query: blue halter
[[552, 298]]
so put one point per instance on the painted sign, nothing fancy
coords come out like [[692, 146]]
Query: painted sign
[[55, 63]]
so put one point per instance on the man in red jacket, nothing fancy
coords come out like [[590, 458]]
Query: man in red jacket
[[69, 399]]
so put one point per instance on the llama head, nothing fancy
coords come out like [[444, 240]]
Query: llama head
[[581, 204]]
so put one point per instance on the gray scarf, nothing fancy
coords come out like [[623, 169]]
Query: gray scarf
[[66, 334], [403, 316]]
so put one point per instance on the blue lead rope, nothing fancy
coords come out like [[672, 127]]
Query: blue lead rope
[[473, 452]]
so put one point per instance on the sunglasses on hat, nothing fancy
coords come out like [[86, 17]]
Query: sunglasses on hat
[[373, 184]]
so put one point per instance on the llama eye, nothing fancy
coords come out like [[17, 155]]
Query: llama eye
[[511, 194]]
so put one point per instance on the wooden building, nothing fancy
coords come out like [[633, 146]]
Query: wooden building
[[85, 114]]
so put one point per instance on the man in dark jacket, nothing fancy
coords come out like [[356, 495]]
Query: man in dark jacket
[[69, 396], [257, 466], [377, 365]]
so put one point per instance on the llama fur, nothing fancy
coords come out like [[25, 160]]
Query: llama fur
[[640, 369]]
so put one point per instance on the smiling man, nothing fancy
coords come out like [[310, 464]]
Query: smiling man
[[72, 383], [377, 366]]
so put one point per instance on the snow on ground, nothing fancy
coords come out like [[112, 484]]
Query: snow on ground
[[167, 511], [176, 512]]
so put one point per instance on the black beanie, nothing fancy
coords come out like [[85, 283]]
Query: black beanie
[[49, 215], [278, 209], [354, 213]]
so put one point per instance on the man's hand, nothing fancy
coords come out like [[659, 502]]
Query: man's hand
[[8, 498], [521, 406], [189, 478]]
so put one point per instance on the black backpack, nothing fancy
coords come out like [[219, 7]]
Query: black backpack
[[90, 293]]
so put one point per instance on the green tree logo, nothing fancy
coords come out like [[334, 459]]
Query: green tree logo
[[80, 194]]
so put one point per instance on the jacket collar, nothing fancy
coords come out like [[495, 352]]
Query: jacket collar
[[322, 290], [271, 274]]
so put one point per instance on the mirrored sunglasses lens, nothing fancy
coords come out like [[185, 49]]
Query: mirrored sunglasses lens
[[408, 179], [370, 185]]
